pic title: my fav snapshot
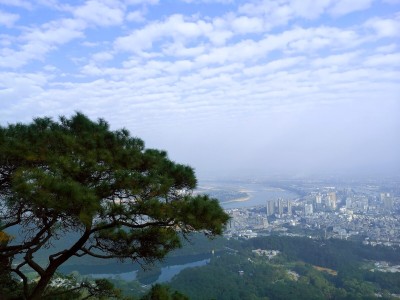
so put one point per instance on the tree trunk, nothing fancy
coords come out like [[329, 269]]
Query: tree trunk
[[42, 284], [52, 268]]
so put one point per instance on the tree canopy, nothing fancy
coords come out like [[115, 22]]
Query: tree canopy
[[77, 176]]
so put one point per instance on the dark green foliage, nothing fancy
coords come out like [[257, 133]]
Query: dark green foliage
[[83, 289], [340, 255], [388, 281], [101, 289], [8, 287], [162, 292], [222, 279], [77, 176], [269, 279]]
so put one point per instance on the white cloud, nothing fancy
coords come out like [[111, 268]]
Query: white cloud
[[384, 27], [102, 56], [17, 3], [97, 13], [55, 33], [343, 7], [90, 44], [342, 60], [175, 27], [53, 4], [170, 74], [387, 48], [137, 41], [209, 1], [6, 41], [31, 5], [273, 66], [20, 86], [312, 39], [137, 2], [274, 13], [8, 19], [136, 16], [246, 24], [50, 68], [37, 42], [241, 51], [175, 33], [280, 12], [309, 9], [297, 40], [219, 37], [391, 60], [178, 49]]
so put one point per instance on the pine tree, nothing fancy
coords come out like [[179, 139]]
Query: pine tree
[[77, 176]]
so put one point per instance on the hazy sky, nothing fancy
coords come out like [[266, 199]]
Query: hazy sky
[[233, 88]]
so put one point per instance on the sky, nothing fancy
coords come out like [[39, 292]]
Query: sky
[[236, 89]]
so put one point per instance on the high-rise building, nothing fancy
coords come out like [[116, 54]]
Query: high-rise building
[[318, 198], [280, 206], [289, 207], [349, 202], [387, 201], [308, 209], [384, 195], [332, 201], [265, 222], [270, 208]]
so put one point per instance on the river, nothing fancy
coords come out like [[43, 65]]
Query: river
[[166, 272], [259, 194]]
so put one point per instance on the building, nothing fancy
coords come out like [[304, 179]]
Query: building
[[308, 209], [318, 198], [387, 201], [349, 202], [280, 207], [289, 207], [332, 201], [270, 208]]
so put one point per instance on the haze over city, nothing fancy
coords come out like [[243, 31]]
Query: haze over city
[[232, 88]]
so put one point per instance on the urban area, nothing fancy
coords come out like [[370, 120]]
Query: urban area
[[367, 212]]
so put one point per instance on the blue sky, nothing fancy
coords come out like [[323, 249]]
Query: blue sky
[[233, 88]]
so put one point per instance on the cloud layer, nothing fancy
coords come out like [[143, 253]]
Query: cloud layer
[[230, 87]]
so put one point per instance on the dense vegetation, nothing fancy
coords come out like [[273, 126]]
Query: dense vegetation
[[305, 269], [330, 253]]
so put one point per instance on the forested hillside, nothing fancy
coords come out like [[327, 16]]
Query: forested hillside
[[303, 269]]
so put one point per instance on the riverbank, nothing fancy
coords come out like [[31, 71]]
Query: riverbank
[[242, 199]]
